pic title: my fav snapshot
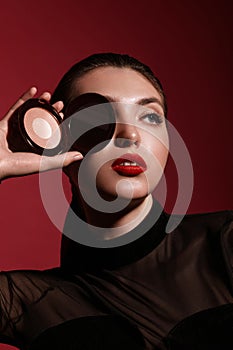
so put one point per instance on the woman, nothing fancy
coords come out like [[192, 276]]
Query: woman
[[152, 291]]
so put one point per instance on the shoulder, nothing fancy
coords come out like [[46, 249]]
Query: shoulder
[[18, 290], [201, 229], [20, 286], [203, 222], [212, 229], [23, 279]]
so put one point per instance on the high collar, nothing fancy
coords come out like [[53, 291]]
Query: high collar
[[142, 240]]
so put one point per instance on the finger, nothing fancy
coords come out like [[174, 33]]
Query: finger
[[46, 96], [58, 105], [26, 96], [59, 161], [28, 163]]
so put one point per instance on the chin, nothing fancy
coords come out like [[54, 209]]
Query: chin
[[126, 189]]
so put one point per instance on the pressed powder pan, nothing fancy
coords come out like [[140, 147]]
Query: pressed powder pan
[[40, 127], [35, 127]]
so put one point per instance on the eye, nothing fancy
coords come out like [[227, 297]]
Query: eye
[[152, 118]]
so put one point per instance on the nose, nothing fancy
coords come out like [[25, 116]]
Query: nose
[[126, 135]]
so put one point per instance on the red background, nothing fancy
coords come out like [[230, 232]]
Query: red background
[[188, 44]]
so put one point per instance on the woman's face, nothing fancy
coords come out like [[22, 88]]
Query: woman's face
[[132, 163]]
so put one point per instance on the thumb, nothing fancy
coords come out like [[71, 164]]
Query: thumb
[[59, 161]]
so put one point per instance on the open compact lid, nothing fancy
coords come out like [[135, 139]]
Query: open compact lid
[[91, 122]]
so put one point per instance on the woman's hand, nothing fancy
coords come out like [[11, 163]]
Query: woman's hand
[[20, 163]]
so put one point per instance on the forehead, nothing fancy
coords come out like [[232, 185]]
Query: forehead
[[122, 84]]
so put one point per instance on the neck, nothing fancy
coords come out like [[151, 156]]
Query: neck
[[119, 223]]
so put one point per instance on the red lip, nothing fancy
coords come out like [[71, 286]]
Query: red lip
[[129, 170]]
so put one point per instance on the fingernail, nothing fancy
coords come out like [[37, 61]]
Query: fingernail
[[78, 156]]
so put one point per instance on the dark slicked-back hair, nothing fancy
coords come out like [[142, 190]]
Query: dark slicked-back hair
[[65, 90]]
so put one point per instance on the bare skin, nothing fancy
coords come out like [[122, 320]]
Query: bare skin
[[137, 135]]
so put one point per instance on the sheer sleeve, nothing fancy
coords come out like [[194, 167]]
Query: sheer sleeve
[[10, 309], [18, 289]]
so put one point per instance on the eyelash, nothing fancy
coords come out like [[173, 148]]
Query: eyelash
[[157, 119]]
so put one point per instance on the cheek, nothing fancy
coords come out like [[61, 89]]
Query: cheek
[[106, 178], [95, 170], [158, 148], [161, 154]]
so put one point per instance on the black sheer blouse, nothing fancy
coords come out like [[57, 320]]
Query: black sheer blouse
[[162, 291]]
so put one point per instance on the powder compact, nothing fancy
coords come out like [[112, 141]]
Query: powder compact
[[37, 127]]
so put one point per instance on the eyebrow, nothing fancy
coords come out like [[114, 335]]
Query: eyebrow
[[141, 102], [146, 101]]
